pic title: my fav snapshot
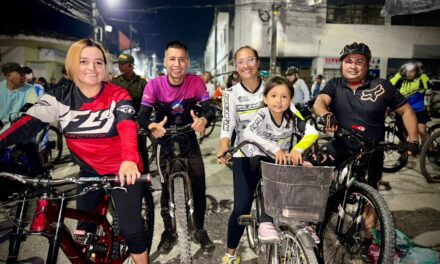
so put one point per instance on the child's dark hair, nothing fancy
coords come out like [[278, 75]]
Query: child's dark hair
[[280, 80]]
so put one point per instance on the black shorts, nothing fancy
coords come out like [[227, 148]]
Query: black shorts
[[422, 117]]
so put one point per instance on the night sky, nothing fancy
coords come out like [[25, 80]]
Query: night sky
[[155, 28]]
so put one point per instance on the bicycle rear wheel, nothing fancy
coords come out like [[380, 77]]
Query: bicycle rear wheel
[[394, 159], [343, 233], [252, 228], [430, 159], [120, 248], [294, 248], [181, 217]]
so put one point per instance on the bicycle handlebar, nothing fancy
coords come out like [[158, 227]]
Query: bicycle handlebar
[[247, 142], [175, 130], [67, 180]]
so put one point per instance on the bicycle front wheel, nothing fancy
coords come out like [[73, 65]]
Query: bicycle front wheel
[[181, 217], [352, 220], [293, 248], [430, 159]]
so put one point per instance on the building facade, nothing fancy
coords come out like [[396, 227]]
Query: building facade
[[312, 36]]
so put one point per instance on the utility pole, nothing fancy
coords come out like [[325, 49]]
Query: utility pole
[[215, 44], [276, 6], [94, 23]]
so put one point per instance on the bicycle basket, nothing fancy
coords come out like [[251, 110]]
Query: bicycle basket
[[294, 192]]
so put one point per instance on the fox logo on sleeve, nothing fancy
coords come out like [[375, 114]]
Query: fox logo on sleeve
[[373, 94]]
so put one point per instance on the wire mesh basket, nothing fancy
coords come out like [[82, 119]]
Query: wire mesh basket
[[295, 192]]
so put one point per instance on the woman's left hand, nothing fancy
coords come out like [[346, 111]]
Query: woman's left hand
[[128, 172]]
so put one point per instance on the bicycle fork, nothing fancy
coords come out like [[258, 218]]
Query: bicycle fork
[[17, 235]]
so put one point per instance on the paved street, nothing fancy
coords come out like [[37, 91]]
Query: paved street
[[415, 205]]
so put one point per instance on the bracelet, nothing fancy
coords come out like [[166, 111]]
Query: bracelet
[[325, 114]]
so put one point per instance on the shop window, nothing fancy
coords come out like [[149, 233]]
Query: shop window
[[355, 12]]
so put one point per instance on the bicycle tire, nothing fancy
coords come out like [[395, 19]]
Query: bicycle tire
[[394, 160], [429, 159], [151, 149], [120, 249], [293, 248], [181, 217], [349, 243], [208, 131], [55, 144], [434, 128], [252, 229]]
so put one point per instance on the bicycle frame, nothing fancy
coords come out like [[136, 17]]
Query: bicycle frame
[[49, 222]]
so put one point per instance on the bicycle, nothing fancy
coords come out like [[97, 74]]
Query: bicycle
[[181, 205], [430, 158], [105, 246], [343, 233], [296, 243], [211, 125], [394, 158]]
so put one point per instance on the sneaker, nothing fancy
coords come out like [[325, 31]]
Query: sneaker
[[230, 260], [166, 242], [312, 232], [201, 237], [267, 232]]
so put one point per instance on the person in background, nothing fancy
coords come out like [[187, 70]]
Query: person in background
[[53, 83], [135, 85], [129, 80], [29, 78], [65, 79], [207, 77], [42, 81], [317, 85], [302, 94], [264, 75], [15, 93], [411, 84]]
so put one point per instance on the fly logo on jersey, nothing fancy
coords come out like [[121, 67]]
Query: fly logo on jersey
[[127, 109], [373, 94], [88, 122]]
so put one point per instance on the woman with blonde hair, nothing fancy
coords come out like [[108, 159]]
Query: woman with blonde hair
[[97, 121]]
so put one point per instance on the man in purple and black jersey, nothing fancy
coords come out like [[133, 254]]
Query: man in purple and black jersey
[[173, 97]]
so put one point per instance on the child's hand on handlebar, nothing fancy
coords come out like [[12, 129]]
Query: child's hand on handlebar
[[157, 129], [198, 123], [281, 157], [128, 172], [296, 157]]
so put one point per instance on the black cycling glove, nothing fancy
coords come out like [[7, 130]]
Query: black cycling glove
[[328, 120], [413, 147]]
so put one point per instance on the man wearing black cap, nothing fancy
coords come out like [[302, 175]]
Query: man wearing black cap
[[14, 94], [135, 85], [129, 79]]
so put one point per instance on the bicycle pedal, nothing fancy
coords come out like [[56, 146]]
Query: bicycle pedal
[[245, 219]]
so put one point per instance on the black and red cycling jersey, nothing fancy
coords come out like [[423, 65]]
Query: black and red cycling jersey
[[100, 131]]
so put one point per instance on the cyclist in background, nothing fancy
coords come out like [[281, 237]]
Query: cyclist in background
[[302, 93], [105, 146], [15, 93], [356, 99], [240, 105], [413, 85], [173, 98]]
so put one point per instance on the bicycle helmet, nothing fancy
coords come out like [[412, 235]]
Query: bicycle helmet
[[292, 70], [356, 48]]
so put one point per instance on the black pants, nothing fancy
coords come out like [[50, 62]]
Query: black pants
[[247, 174], [196, 171], [128, 206], [341, 149]]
